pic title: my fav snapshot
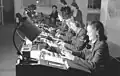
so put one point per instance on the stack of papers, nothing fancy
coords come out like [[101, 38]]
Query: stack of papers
[[54, 59]]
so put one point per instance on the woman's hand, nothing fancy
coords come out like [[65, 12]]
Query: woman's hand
[[68, 55]]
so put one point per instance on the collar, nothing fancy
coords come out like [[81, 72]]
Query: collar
[[94, 41]]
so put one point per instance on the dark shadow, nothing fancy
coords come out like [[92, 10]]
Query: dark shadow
[[8, 11], [114, 65], [114, 49]]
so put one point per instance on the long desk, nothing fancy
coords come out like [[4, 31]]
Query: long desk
[[41, 70], [44, 67]]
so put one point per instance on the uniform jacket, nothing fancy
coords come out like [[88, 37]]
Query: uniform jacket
[[77, 41], [93, 60], [79, 18]]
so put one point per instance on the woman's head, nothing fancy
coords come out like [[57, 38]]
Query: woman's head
[[66, 12], [54, 8], [32, 7], [74, 6], [95, 30], [63, 2]]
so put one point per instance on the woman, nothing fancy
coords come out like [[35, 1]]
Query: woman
[[94, 59], [68, 19], [78, 41], [54, 14], [68, 24], [31, 10], [77, 14]]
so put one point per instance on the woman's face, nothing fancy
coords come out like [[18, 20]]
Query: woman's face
[[73, 8], [65, 16], [92, 33], [54, 9]]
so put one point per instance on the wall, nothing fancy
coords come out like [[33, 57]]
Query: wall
[[104, 5], [113, 29], [113, 26], [18, 5]]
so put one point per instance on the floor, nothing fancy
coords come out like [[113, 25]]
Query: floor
[[8, 52]]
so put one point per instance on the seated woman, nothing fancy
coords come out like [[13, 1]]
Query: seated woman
[[54, 14], [92, 60], [77, 14], [69, 22], [30, 10], [78, 41]]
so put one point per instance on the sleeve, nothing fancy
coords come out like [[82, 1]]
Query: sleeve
[[82, 32], [60, 17], [56, 15], [50, 15], [76, 66], [69, 46], [79, 54], [91, 64], [80, 14]]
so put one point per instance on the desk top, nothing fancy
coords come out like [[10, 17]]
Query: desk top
[[43, 57]]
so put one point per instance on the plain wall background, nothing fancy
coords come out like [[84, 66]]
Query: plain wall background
[[113, 26]]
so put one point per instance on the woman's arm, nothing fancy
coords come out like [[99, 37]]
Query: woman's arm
[[94, 62], [79, 54]]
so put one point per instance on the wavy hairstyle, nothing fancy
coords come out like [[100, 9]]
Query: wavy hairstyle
[[54, 6], [100, 28]]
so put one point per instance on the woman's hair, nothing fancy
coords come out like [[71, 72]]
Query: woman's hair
[[62, 9], [100, 28], [54, 6], [32, 6], [74, 4], [63, 2], [67, 10]]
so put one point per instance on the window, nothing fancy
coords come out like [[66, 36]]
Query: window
[[94, 4], [94, 7], [44, 2], [37, 2]]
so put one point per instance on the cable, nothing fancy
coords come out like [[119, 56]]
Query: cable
[[19, 23], [14, 43], [20, 35]]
